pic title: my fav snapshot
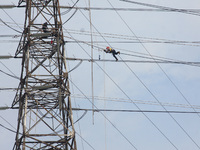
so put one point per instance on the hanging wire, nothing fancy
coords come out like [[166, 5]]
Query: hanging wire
[[11, 18], [10, 75], [75, 66], [69, 11], [14, 75], [9, 26], [70, 8]]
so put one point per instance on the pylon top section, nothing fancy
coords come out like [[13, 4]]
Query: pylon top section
[[42, 20]]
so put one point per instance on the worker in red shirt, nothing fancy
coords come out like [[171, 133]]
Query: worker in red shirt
[[110, 50]]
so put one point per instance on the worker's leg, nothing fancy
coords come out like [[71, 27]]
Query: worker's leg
[[114, 52], [115, 56]]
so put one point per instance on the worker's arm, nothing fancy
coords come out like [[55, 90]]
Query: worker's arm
[[105, 51]]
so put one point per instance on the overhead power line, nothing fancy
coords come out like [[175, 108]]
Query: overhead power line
[[146, 102], [135, 61], [143, 41], [159, 61], [130, 39], [135, 111], [120, 110], [111, 9], [186, 11], [187, 43], [129, 9], [155, 60]]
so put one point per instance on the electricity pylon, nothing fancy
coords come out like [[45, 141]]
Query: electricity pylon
[[43, 97]]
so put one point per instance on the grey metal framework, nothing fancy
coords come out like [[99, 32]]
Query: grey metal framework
[[43, 96]]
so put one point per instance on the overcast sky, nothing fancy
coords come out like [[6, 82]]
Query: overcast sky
[[125, 85]]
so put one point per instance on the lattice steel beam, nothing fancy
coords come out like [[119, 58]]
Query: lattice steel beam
[[43, 96]]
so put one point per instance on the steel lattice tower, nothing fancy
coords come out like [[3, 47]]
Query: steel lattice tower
[[43, 97]]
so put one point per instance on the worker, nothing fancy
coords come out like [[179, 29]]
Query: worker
[[110, 50], [44, 27]]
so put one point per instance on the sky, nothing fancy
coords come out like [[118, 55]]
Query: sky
[[121, 85]]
